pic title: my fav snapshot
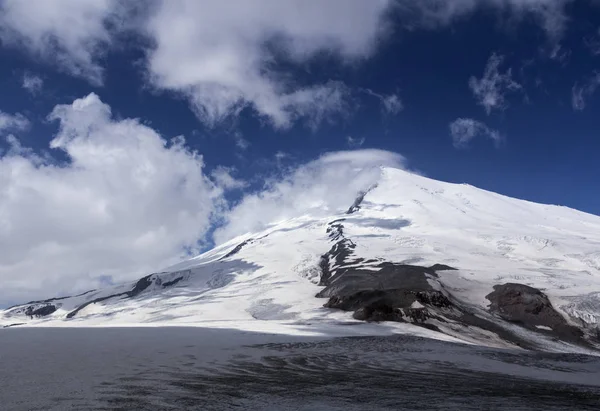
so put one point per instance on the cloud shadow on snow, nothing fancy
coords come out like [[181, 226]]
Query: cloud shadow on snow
[[388, 224]]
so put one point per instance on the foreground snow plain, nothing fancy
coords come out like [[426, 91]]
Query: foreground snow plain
[[194, 368], [267, 281]]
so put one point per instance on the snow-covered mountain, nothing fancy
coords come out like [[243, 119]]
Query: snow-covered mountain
[[411, 255]]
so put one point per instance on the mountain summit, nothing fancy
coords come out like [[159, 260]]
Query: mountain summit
[[410, 255]]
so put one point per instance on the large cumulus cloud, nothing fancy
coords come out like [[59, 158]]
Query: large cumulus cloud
[[128, 202]]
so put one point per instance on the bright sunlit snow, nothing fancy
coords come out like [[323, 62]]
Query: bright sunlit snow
[[267, 281]]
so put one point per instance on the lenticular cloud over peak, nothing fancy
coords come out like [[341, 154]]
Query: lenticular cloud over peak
[[363, 158], [352, 237], [129, 201], [235, 171], [325, 185]]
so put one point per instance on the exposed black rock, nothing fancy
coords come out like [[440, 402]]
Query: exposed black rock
[[97, 300], [13, 325], [325, 271], [335, 257], [359, 199], [472, 320], [237, 248], [441, 267], [417, 315], [356, 205], [218, 280], [384, 292], [381, 306], [335, 231], [410, 293], [391, 294], [372, 299], [433, 298], [49, 300], [384, 295], [389, 277], [529, 307], [140, 286], [378, 312], [172, 282], [43, 311]]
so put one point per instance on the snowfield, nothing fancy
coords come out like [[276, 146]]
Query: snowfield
[[268, 281]]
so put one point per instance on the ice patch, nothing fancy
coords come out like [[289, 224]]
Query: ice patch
[[267, 310], [585, 308], [543, 327]]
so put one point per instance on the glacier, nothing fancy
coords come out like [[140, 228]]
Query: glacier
[[487, 270]]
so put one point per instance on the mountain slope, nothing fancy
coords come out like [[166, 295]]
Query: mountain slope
[[431, 258]]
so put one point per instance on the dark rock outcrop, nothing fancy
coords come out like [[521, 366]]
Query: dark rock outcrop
[[356, 205], [417, 315], [237, 248], [529, 307], [434, 299], [33, 311], [139, 286], [172, 282], [441, 267], [383, 292], [49, 300], [388, 277], [387, 291], [359, 199], [387, 294], [378, 312], [339, 253], [13, 325]]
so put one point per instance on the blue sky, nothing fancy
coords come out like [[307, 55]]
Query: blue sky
[[500, 94]]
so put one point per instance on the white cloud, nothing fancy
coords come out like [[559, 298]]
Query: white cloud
[[223, 58], [390, 104], [15, 148], [463, 130], [32, 83], [593, 42], [223, 177], [240, 142], [355, 143], [324, 186], [550, 14], [128, 203], [13, 122], [491, 89], [581, 92], [316, 105], [72, 34], [280, 156]]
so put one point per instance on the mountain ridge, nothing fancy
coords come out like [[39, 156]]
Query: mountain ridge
[[513, 250]]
